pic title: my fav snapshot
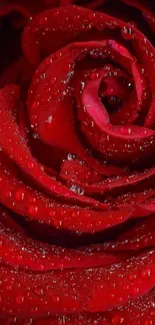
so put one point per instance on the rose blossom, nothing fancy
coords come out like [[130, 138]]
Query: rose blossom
[[77, 148]]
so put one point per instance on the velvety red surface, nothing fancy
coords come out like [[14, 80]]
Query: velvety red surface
[[77, 171]]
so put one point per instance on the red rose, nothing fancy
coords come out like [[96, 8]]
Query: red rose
[[77, 139]]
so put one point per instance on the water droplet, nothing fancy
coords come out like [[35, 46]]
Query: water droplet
[[8, 194], [52, 80], [142, 70], [58, 54], [20, 194], [131, 276], [86, 27], [77, 189], [19, 300], [133, 23], [100, 26], [41, 267], [39, 291], [43, 76], [71, 156], [117, 320], [75, 213], [127, 32], [30, 164], [35, 105], [33, 209], [95, 53], [92, 15], [63, 319], [19, 257], [94, 75], [55, 92], [8, 287], [52, 213], [113, 99], [32, 199], [125, 130], [49, 121], [111, 24], [136, 290], [146, 273], [55, 298], [108, 67], [42, 20], [148, 322]]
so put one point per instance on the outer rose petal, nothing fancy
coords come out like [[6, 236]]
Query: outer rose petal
[[36, 256], [141, 311], [79, 284], [68, 290]]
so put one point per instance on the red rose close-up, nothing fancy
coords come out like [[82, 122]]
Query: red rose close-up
[[77, 162]]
